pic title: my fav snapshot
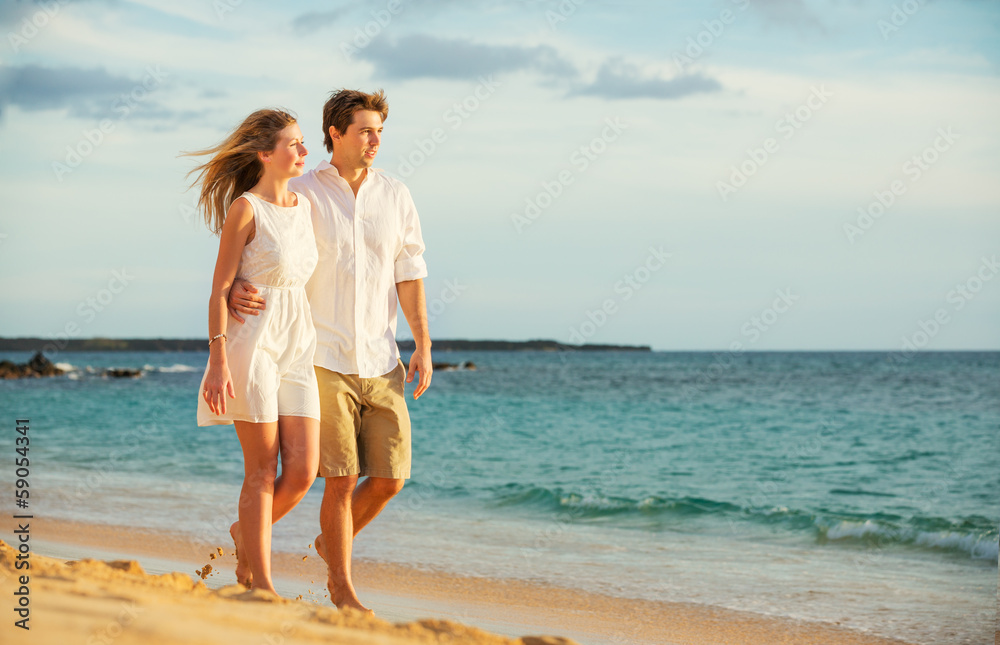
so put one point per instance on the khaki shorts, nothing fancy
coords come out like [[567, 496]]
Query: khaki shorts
[[364, 426]]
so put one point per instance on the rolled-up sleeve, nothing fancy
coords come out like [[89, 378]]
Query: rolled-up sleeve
[[409, 264]]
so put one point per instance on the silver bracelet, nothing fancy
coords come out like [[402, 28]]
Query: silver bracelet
[[214, 338]]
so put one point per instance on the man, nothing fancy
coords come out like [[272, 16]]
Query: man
[[370, 256]]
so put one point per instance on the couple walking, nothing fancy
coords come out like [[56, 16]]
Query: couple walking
[[316, 263]]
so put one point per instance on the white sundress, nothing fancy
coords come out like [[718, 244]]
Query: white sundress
[[270, 356]]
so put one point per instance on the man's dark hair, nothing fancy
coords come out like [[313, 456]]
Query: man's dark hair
[[341, 106]]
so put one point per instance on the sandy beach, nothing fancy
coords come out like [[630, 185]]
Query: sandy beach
[[134, 597]]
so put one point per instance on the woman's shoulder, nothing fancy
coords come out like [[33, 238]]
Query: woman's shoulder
[[242, 206], [244, 201], [239, 220]]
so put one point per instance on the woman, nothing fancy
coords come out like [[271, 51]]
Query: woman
[[260, 373]]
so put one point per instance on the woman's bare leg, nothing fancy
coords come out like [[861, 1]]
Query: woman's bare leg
[[260, 466], [298, 438]]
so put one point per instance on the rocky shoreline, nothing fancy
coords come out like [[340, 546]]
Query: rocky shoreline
[[37, 367]]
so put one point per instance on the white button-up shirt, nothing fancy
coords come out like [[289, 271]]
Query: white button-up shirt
[[366, 245]]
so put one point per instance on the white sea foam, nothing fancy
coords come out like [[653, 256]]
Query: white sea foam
[[976, 545], [593, 501], [177, 367], [66, 367], [650, 502], [857, 530]]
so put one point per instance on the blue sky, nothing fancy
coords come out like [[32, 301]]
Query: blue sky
[[772, 174]]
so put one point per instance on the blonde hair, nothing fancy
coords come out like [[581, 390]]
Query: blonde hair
[[343, 104], [235, 167]]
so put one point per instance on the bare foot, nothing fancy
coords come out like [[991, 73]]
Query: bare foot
[[347, 599], [342, 597], [320, 545], [243, 574]]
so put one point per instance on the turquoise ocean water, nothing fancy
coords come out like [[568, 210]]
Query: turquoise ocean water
[[858, 488]]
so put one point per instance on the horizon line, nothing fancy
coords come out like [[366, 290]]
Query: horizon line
[[543, 340]]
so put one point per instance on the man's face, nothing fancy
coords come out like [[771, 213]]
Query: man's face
[[359, 145]]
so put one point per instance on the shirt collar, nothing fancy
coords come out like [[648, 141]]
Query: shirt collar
[[326, 166]]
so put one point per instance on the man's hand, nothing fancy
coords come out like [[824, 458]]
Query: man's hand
[[413, 304], [420, 361], [242, 298]]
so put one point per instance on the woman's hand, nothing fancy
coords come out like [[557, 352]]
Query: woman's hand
[[218, 383]]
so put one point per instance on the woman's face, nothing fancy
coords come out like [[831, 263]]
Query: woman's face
[[288, 157]]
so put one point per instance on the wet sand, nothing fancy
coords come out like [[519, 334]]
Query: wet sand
[[72, 602]]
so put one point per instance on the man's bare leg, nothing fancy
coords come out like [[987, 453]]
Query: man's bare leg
[[370, 497], [336, 522], [367, 501]]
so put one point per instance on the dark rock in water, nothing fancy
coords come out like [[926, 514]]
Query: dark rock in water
[[37, 366], [122, 372], [8, 369], [451, 367], [42, 365]]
